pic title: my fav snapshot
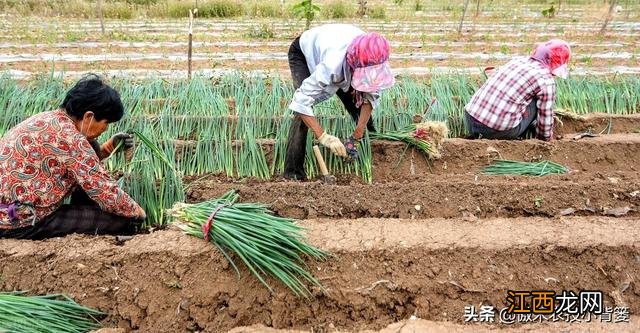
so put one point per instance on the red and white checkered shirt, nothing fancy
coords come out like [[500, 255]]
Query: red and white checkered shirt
[[502, 101]]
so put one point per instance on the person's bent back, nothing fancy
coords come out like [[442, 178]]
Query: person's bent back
[[519, 98], [53, 155]]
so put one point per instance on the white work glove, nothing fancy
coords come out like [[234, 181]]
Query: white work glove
[[333, 143]]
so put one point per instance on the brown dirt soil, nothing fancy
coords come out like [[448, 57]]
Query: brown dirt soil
[[261, 47], [383, 271], [421, 325], [610, 153], [600, 122], [273, 65], [439, 196], [603, 180]]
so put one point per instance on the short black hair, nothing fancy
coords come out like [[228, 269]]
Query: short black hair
[[92, 94]]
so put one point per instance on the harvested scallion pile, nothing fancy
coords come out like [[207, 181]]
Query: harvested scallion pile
[[43, 314], [507, 167], [267, 244], [426, 137]]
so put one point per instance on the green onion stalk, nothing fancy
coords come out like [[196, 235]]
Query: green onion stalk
[[508, 167], [268, 245], [152, 180], [365, 160], [199, 110], [45, 314]]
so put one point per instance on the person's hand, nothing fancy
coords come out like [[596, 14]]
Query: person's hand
[[124, 138], [351, 147], [333, 143]]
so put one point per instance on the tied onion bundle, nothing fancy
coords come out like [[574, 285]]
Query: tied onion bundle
[[426, 136], [267, 244], [507, 167], [50, 313]]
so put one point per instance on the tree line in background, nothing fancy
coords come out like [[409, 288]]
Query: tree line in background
[[328, 9]]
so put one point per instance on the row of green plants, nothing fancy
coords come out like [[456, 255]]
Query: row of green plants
[[190, 110], [218, 125], [130, 9], [329, 9]]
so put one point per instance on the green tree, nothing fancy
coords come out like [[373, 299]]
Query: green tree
[[307, 10]]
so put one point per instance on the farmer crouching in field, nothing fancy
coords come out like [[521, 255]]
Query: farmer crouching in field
[[335, 59], [53, 155], [520, 96]]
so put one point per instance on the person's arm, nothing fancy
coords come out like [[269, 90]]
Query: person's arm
[[314, 89], [97, 148], [325, 139], [365, 114], [546, 101], [313, 124], [85, 167]]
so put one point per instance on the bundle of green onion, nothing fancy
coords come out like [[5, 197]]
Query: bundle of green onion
[[50, 313], [507, 167], [423, 136], [267, 244]]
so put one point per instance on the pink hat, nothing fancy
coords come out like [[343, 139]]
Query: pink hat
[[368, 57], [554, 54]]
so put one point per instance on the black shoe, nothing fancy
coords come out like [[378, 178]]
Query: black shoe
[[294, 176]]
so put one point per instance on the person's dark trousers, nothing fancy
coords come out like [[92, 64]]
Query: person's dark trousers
[[82, 216], [479, 130], [297, 140]]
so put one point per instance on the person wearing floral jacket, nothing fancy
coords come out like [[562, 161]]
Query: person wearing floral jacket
[[53, 155]]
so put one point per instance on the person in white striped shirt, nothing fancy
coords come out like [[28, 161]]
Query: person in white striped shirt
[[334, 59]]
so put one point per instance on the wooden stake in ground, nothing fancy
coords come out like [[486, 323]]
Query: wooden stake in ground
[[559, 4], [100, 16], [190, 47], [477, 8], [362, 8], [609, 16], [464, 12]]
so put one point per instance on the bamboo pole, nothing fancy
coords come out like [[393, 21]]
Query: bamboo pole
[[362, 8], [100, 16], [609, 16], [559, 4], [190, 47], [464, 12]]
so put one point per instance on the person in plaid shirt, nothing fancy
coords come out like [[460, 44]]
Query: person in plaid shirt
[[53, 155], [520, 96]]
